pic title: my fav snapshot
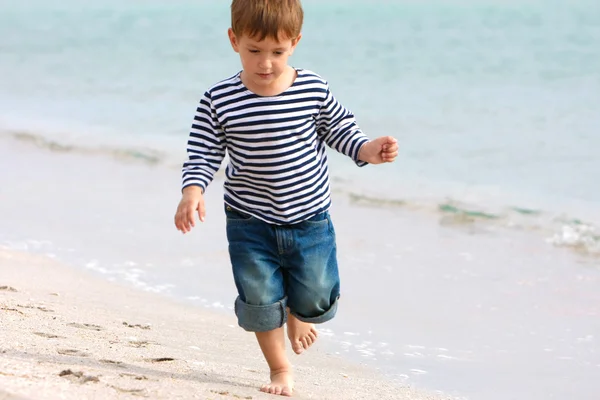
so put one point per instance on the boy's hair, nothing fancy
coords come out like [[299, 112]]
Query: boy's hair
[[267, 18]]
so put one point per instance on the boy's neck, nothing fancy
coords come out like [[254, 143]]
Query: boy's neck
[[283, 83]]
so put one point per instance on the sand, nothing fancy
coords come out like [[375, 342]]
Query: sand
[[68, 334]]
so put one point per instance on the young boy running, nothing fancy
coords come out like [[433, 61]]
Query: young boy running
[[275, 122]]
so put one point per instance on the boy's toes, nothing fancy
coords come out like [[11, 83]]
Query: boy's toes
[[277, 390], [298, 347], [302, 335], [306, 342], [268, 389]]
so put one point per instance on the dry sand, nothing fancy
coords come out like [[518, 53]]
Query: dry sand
[[68, 334]]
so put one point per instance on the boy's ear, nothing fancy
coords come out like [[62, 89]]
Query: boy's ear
[[233, 40], [295, 43]]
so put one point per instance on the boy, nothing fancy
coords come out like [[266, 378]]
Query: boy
[[275, 121]]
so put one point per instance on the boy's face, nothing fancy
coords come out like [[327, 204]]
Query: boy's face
[[264, 61]]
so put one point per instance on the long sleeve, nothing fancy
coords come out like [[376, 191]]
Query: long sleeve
[[338, 128], [206, 146]]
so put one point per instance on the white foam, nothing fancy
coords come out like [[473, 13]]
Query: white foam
[[187, 263], [20, 246], [158, 288], [581, 236], [588, 338], [418, 371], [402, 377], [326, 332], [446, 357], [366, 353]]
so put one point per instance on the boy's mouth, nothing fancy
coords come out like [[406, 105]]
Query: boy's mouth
[[265, 76]]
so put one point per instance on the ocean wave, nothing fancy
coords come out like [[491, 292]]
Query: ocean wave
[[146, 156], [578, 236], [560, 231]]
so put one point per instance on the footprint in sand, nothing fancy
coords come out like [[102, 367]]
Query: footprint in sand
[[133, 376], [127, 324], [78, 376], [12, 309], [8, 289], [161, 359], [32, 307], [48, 335], [91, 327], [111, 362], [72, 352], [139, 343], [132, 391], [226, 393]]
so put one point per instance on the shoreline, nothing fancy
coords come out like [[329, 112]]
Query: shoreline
[[570, 224], [68, 334]]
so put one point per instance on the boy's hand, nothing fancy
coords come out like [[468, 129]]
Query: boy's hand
[[191, 201], [380, 150]]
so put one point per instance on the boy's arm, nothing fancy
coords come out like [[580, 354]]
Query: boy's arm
[[205, 148], [338, 127]]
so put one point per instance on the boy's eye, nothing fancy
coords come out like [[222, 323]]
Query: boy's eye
[[278, 53], [254, 51]]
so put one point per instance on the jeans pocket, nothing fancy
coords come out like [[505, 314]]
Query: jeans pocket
[[321, 220], [234, 215]]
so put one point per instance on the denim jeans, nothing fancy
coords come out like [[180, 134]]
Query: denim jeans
[[279, 266]]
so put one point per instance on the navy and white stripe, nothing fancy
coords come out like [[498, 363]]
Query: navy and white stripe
[[277, 168]]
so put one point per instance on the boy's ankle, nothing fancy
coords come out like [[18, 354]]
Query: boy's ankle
[[282, 370]]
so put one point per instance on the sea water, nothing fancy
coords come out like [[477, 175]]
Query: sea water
[[470, 265]]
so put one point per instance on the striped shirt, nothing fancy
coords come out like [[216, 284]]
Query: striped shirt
[[277, 169]]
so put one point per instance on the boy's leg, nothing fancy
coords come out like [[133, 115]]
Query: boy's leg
[[313, 283], [261, 304], [272, 344]]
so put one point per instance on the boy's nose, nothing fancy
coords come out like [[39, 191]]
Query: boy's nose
[[265, 64]]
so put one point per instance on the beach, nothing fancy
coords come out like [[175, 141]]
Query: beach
[[470, 267], [66, 334], [443, 303]]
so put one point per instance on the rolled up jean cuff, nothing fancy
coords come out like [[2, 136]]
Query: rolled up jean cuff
[[261, 318], [326, 316]]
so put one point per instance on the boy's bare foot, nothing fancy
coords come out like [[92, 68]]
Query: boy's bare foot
[[301, 334], [282, 383]]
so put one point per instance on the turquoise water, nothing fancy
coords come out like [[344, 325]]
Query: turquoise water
[[496, 105], [497, 97]]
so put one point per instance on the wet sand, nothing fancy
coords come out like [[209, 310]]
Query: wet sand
[[68, 334]]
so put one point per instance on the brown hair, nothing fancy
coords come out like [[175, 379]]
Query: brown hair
[[267, 18]]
